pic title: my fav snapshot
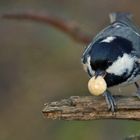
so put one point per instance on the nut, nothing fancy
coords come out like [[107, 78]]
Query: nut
[[97, 86]]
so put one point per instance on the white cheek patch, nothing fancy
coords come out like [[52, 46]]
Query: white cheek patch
[[109, 39], [88, 66], [121, 65]]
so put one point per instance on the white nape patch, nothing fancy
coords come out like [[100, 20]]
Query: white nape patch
[[109, 39], [88, 66], [121, 65]]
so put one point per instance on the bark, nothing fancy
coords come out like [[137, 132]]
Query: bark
[[92, 108]]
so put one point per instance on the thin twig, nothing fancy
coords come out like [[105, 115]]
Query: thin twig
[[71, 28], [91, 108]]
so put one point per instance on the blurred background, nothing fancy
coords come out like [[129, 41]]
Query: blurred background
[[39, 64]]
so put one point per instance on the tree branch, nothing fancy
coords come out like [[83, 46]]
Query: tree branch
[[92, 108], [70, 28], [133, 137]]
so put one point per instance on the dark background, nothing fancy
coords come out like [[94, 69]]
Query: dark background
[[39, 63]]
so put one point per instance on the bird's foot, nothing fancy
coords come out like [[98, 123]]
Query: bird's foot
[[138, 90], [112, 106], [138, 93]]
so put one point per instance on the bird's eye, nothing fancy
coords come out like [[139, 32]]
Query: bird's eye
[[109, 62]]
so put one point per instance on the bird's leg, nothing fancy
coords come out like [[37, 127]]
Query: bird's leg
[[110, 101], [138, 90]]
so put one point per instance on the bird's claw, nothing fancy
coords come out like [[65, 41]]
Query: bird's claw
[[138, 93], [138, 90], [112, 106]]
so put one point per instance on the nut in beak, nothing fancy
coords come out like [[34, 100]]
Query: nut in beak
[[97, 85]]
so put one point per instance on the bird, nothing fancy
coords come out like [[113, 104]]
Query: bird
[[114, 54]]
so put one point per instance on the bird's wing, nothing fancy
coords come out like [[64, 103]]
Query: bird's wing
[[125, 18], [121, 25], [119, 16]]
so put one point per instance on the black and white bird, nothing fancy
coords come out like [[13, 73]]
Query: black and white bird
[[115, 54]]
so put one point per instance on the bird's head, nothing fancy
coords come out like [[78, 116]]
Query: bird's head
[[110, 57]]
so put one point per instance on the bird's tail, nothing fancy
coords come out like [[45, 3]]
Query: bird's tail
[[120, 16]]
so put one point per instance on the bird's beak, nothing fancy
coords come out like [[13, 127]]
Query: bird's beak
[[100, 73]]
